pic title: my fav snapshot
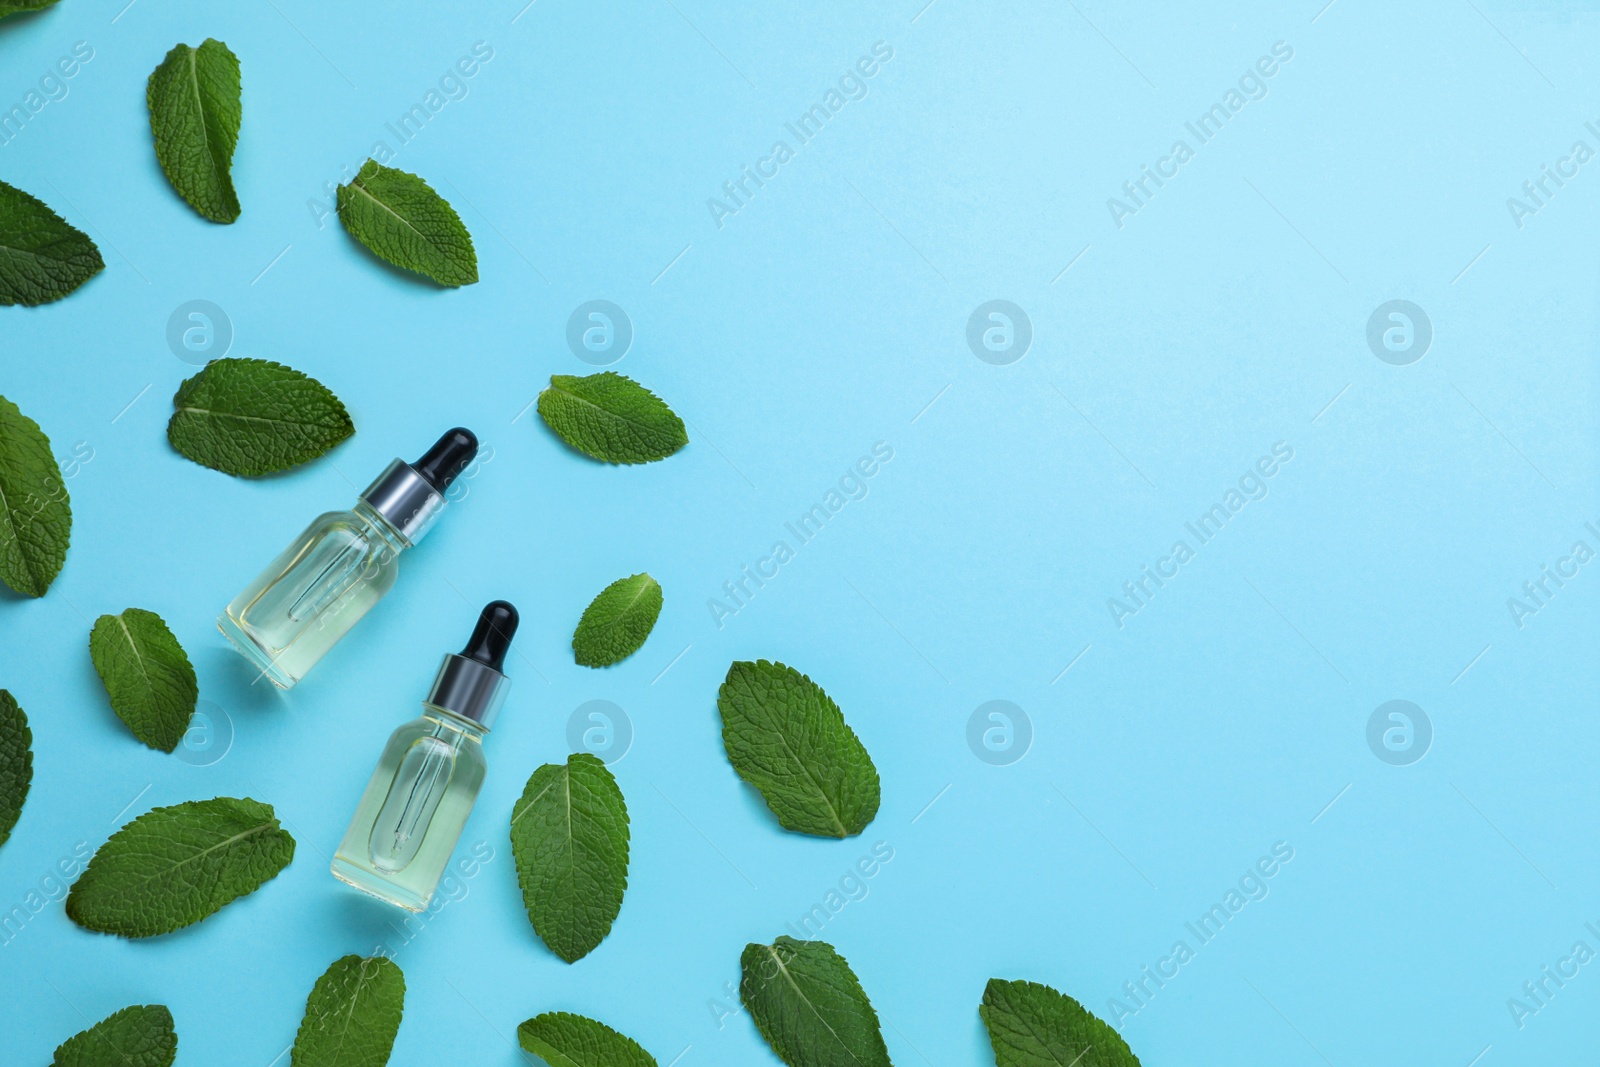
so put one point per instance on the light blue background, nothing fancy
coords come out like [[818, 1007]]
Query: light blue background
[[827, 315]]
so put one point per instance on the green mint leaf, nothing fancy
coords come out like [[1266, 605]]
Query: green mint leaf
[[147, 675], [562, 1039], [194, 116], [16, 7], [569, 837], [35, 512], [16, 763], [402, 221], [42, 256], [1031, 1025], [172, 867], [809, 1006], [140, 1036], [616, 623], [250, 417], [788, 739], [610, 417], [352, 1015]]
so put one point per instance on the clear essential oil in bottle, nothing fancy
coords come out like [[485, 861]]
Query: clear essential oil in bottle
[[345, 561], [414, 808]]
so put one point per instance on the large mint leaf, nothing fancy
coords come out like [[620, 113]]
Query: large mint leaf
[[42, 256], [809, 1006], [787, 738], [610, 417], [172, 867], [569, 836], [352, 1015], [35, 513], [562, 1039], [251, 416], [403, 221], [616, 623], [16, 7], [194, 115], [147, 675], [140, 1036], [16, 763], [1031, 1025]]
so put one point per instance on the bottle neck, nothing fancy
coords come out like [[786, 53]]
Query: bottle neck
[[448, 722], [405, 500], [384, 529], [468, 689]]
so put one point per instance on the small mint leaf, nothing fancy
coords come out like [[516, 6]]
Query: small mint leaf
[[1031, 1025], [808, 1004], [194, 116], [140, 1036], [402, 221], [16, 7], [786, 737], [16, 763], [42, 256], [249, 417], [172, 867], [617, 622], [562, 1039], [352, 1015], [147, 675], [610, 417], [569, 838]]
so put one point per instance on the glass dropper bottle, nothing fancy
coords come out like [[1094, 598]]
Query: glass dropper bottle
[[341, 565], [413, 810]]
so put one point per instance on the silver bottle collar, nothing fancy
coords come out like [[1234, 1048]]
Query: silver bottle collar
[[469, 689], [405, 500]]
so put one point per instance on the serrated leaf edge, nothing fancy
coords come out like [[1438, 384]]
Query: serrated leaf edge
[[627, 825], [347, 423], [65, 501], [554, 388], [578, 632], [772, 951], [223, 174], [122, 624], [564, 1058], [844, 831]]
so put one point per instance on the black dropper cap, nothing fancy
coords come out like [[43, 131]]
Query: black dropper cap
[[491, 638], [473, 684], [448, 457]]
